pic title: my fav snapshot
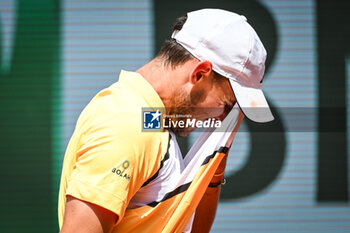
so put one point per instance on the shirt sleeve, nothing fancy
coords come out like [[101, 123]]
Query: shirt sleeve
[[114, 160]]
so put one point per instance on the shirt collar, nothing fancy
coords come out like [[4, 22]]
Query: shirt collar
[[141, 86]]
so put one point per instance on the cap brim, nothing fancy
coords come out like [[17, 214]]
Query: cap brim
[[252, 102]]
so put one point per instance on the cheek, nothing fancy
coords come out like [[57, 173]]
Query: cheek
[[210, 107], [197, 96], [211, 102]]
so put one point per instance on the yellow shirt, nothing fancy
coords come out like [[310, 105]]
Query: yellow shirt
[[109, 160], [108, 157]]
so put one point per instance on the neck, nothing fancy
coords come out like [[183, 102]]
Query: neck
[[163, 79]]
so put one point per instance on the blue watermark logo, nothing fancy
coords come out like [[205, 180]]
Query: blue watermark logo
[[151, 119]]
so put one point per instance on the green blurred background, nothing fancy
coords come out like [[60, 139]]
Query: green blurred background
[[291, 175]]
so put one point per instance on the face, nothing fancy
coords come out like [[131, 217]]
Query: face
[[209, 98]]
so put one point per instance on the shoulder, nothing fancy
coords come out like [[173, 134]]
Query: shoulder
[[115, 122]]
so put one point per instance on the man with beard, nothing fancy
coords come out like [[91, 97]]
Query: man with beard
[[112, 168]]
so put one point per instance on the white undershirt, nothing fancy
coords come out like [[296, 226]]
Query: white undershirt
[[168, 175]]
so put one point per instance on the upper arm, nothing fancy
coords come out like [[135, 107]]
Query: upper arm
[[114, 160], [81, 216]]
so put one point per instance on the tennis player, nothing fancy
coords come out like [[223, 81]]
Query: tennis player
[[118, 178]]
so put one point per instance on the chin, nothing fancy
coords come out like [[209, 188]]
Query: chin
[[183, 133]]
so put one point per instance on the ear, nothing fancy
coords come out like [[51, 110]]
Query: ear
[[202, 70]]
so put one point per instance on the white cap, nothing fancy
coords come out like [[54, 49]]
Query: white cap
[[235, 51]]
